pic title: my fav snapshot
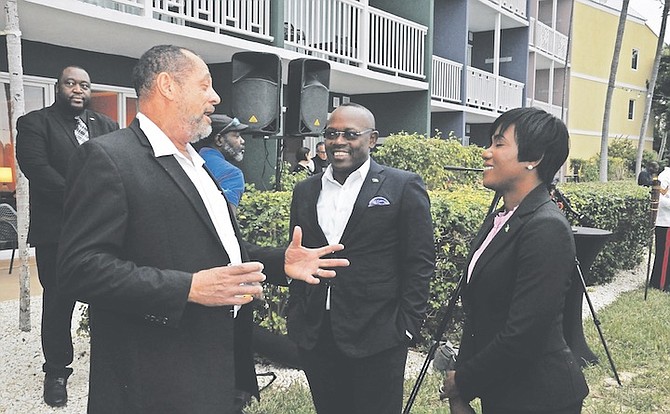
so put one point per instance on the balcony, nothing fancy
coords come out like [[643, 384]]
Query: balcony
[[517, 7], [345, 31], [354, 33], [548, 40], [484, 90], [555, 110]]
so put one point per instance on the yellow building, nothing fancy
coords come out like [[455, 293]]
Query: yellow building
[[594, 34]]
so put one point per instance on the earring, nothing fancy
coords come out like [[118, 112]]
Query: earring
[[529, 167]]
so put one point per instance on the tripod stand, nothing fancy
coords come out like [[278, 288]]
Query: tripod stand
[[442, 327], [596, 321]]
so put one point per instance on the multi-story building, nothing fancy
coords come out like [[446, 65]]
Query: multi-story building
[[424, 65], [594, 32]]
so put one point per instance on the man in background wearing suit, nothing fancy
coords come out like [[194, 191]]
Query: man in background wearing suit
[[353, 331], [149, 242], [45, 140]]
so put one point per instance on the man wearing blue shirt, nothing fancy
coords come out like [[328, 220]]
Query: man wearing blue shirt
[[223, 145]]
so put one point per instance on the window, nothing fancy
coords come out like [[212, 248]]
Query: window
[[118, 103], [631, 109], [633, 63]]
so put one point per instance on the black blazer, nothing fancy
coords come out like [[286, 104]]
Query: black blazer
[[44, 143], [135, 231], [513, 354], [389, 244]]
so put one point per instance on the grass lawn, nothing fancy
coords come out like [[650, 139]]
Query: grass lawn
[[638, 337]]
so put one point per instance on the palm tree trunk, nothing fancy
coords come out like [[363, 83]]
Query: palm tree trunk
[[17, 105], [650, 88], [604, 139]]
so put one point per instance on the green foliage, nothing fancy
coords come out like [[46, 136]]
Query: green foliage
[[428, 156], [621, 155], [287, 179], [621, 207], [457, 216]]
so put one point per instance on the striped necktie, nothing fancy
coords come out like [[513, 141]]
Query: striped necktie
[[81, 130]]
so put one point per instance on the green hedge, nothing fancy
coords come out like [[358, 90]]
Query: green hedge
[[621, 207]]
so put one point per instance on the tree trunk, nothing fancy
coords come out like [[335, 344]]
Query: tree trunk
[[17, 108], [650, 89], [604, 139]]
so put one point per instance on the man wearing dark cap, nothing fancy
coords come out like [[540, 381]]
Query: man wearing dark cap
[[223, 146]]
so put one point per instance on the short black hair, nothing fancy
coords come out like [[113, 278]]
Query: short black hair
[[540, 136], [161, 58], [301, 154]]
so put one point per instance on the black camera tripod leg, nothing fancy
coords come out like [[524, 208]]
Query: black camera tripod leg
[[596, 322], [648, 279]]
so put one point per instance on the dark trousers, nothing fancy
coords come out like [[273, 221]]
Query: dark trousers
[[56, 315], [573, 409], [345, 385], [660, 275]]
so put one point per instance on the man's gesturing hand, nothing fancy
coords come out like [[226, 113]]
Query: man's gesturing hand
[[303, 264], [227, 285]]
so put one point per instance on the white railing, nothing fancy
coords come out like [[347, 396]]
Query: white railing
[[555, 110], [327, 29], [486, 91], [397, 44], [517, 7], [351, 32], [246, 17], [446, 80], [548, 40], [481, 90], [510, 94]]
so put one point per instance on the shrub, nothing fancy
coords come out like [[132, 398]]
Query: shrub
[[428, 157]]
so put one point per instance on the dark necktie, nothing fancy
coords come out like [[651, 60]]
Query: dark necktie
[[81, 130]]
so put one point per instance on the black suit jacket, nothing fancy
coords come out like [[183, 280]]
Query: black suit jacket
[[385, 289], [513, 354], [44, 143], [135, 231]]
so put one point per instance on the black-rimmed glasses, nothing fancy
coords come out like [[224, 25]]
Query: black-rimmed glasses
[[348, 134]]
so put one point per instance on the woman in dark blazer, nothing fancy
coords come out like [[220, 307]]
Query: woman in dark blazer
[[513, 355]]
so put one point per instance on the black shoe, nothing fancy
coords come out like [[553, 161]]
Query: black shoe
[[55, 391]]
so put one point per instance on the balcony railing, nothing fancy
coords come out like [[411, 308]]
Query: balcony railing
[[548, 40], [555, 110], [346, 31], [517, 7], [446, 80], [245, 17], [496, 93], [351, 32]]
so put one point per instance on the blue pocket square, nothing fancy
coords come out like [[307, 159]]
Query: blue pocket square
[[378, 201]]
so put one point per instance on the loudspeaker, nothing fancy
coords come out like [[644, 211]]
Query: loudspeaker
[[308, 82], [256, 87]]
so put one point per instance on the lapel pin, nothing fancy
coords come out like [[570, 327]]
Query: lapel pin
[[506, 228], [375, 180]]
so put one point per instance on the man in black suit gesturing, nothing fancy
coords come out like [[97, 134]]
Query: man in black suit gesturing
[[46, 139], [353, 331], [150, 243]]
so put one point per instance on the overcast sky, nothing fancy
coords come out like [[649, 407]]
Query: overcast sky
[[651, 9]]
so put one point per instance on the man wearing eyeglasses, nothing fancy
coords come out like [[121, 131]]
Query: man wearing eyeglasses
[[220, 149], [353, 331], [320, 159]]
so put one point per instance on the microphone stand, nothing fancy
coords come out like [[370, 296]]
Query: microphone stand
[[442, 327], [582, 219], [655, 197]]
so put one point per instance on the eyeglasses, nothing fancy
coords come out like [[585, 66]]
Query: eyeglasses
[[348, 134]]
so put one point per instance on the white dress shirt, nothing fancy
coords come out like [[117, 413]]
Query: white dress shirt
[[336, 202], [211, 195]]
